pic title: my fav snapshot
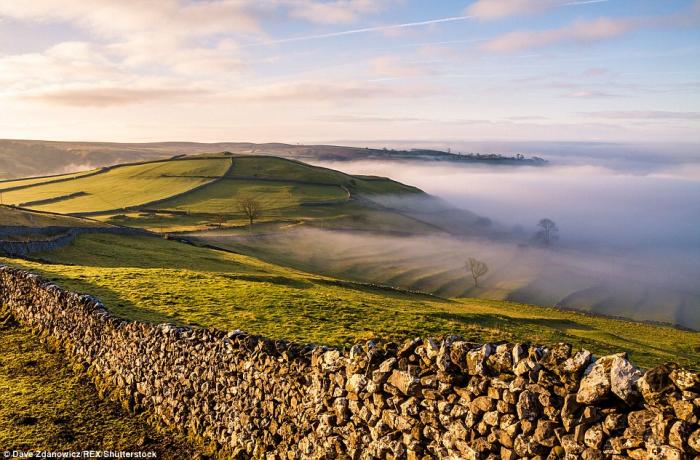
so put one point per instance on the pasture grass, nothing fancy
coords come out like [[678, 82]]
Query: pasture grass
[[26, 218], [123, 186], [153, 279], [45, 406], [11, 183]]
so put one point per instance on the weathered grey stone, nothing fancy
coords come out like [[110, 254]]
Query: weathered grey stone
[[685, 410], [694, 441], [623, 379], [528, 406], [595, 437], [253, 397], [595, 385], [685, 380], [405, 382], [678, 435]]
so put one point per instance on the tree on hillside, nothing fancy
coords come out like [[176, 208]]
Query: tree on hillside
[[548, 233], [251, 209], [478, 269]]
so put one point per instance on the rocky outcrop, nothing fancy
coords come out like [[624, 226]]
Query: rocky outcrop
[[247, 396]]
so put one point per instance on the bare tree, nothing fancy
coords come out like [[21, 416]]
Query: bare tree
[[251, 208], [478, 269], [548, 233]]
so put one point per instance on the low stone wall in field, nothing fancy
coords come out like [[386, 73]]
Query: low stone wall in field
[[49, 238], [247, 396]]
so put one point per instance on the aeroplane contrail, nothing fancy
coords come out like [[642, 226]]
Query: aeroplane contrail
[[392, 26], [365, 30]]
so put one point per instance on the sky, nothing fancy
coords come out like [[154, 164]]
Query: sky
[[303, 71]]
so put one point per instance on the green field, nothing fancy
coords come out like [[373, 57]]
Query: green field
[[158, 280], [45, 406], [26, 218], [176, 195], [6, 184], [121, 187], [223, 196]]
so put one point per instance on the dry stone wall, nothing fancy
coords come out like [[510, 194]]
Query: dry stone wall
[[247, 396], [50, 238]]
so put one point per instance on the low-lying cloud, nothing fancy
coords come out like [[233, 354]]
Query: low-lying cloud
[[617, 201]]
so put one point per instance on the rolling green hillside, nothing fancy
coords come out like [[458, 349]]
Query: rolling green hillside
[[26, 218], [165, 281], [154, 279], [6, 185], [120, 187], [199, 192]]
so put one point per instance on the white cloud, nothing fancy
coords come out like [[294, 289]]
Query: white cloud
[[335, 12], [119, 18], [496, 9], [582, 31], [106, 96], [391, 66], [493, 9], [67, 61], [644, 115], [590, 94], [323, 91]]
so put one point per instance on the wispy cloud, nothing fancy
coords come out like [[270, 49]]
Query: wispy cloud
[[108, 96], [590, 94], [581, 31], [392, 66], [496, 9], [335, 12], [644, 115], [586, 31], [311, 91]]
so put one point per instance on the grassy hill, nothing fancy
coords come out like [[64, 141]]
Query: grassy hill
[[158, 280], [10, 216], [199, 192], [119, 187]]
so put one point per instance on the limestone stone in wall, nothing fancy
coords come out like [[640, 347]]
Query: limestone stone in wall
[[248, 396]]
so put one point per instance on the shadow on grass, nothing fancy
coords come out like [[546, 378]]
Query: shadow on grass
[[495, 321], [278, 280], [384, 290]]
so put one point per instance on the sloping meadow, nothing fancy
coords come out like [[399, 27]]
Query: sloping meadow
[[244, 395]]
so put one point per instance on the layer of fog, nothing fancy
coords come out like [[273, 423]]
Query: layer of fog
[[650, 286], [629, 225], [591, 204]]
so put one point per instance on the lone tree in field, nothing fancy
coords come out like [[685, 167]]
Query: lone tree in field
[[251, 208], [478, 269], [548, 233]]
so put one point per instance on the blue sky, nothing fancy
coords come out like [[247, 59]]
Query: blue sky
[[314, 70]]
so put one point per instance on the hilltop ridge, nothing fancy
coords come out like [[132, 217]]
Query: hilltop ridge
[[23, 158]]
